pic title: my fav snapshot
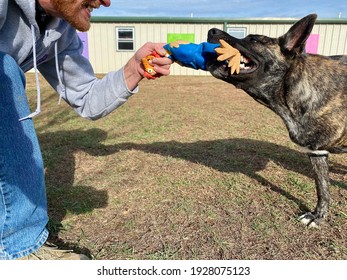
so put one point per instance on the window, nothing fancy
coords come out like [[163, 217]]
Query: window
[[125, 38], [237, 32]]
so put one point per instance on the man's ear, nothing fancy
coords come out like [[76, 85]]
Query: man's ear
[[294, 41]]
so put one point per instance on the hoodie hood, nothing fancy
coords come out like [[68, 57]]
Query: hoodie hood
[[29, 47], [28, 9], [17, 18]]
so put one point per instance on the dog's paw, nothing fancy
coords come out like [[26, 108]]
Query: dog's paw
[[310, 220]]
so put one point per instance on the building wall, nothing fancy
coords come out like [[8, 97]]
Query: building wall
[[102, 42], [332, 37], [104, 56]]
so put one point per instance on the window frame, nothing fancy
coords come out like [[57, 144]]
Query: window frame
[[121, 40], [235, 29]]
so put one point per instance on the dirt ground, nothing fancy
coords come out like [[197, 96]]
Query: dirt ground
[[188, 168]]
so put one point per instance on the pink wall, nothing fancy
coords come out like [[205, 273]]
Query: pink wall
[[84, 38], [312, 43]]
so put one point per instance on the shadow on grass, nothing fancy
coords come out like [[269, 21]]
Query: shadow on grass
[[245, 156], [63, 195]]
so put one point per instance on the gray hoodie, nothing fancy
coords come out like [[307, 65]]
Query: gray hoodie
[[58, 53]]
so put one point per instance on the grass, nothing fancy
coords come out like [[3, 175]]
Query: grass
[[188, 168]]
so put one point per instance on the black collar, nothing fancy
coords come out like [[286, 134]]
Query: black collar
[[41, 16]]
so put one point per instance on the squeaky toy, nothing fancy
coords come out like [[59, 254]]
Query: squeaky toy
[[195, 56]]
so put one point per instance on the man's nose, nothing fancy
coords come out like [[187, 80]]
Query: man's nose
[[105, 3]]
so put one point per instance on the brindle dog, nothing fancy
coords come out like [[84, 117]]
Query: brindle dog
[[309, 93]]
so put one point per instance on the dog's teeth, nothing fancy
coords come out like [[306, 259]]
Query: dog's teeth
[[241, 59]]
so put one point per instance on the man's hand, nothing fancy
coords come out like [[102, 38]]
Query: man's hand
[[134, 70]]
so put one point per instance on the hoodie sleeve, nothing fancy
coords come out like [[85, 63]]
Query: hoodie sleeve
[[92, 98]]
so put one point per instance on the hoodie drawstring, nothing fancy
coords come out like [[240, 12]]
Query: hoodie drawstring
[[38, 89], [62, 87], [38, 107]]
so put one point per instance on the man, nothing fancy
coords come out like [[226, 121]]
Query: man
[[42, 34]]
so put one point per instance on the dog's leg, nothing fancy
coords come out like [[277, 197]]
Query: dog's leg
[[321, 173]]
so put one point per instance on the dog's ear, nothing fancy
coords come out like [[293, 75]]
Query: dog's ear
[[294, 41]]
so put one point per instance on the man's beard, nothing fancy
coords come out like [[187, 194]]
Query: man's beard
[[70, 12]]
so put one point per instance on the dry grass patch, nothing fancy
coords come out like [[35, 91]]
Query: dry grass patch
[[189, 168]]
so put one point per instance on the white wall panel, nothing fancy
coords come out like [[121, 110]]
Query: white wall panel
[[104, 56]]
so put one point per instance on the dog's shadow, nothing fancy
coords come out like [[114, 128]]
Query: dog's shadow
[[240, 155]]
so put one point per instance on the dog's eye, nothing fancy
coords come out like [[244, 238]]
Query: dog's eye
[[253, 40]]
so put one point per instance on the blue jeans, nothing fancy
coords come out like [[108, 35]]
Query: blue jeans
[[23, 203]]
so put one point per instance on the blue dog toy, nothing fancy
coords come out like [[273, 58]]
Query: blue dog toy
[[191, 55], [185, 54]]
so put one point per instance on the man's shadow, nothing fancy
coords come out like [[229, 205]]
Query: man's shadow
[[63, 194], [238, 155]]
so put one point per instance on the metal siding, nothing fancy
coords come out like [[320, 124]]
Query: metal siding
[[104, 56], [342, 39], [332, 37], [335, 39]]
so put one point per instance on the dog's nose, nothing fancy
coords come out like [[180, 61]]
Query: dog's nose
[[212, 35], [214, 31]]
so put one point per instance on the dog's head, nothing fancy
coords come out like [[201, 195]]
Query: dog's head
[[264, 60]]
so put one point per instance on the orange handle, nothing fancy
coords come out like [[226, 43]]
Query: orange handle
[[149, 70]]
